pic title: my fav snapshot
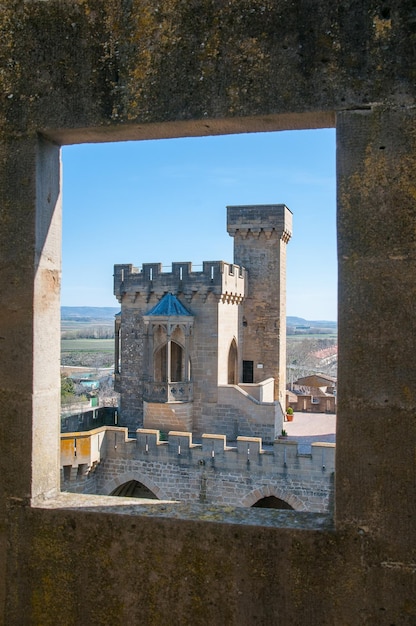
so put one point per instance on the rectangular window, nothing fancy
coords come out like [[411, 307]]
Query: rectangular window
[[99, 177], [248, 372]]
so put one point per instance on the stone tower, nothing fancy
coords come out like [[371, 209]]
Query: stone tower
[[261, 233]]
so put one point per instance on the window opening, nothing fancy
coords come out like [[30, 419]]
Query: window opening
[[172, 369], [160, 239], [248, 371], [233, 364]]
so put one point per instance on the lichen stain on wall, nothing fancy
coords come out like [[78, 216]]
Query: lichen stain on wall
[[382, 27], [50, 584]]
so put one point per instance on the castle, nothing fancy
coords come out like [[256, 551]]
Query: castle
[[205, 351], [76, 72]]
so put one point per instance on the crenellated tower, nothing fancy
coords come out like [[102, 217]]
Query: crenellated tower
[[172, 342], [261, 234]]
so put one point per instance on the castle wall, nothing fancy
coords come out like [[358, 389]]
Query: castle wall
[[168, 416], [133, 348], [204, 353], [222, 487], [105, 71], [210, 472], [216, 277]]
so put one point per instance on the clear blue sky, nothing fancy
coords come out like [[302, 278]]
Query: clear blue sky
[[117, 195]]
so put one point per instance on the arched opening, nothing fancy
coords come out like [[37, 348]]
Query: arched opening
[[172, 369], [272, 502], [117, 344], [133, 489], [233, 364], [176, 358], [160, 364]]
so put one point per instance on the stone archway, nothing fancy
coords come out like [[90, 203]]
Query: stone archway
[[134, 489], [233, 364], [267, 491], [271, 502], [175, 371], [112, 485]]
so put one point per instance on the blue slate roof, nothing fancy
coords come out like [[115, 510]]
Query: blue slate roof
[[169, 305]]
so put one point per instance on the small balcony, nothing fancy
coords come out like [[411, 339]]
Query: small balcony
[[168, 392]]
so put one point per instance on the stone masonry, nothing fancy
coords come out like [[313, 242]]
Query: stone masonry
[[211, 472], [109, 70]]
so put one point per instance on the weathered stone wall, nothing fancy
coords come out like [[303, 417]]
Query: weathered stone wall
[[130, 384], [212, 485], [95, 70], [164, 416]]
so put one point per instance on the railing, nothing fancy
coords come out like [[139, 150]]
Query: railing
[[168, 392]]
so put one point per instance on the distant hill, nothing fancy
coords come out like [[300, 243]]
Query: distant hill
[[84, 313], [300, 321]]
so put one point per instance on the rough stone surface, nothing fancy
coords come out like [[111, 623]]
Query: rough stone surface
[[100, 70]]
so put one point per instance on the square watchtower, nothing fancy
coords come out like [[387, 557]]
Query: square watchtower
[[261, 234]]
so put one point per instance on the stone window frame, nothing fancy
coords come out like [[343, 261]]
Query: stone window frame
[[46, 150], [354, 131]]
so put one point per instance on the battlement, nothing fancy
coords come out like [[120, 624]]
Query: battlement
[[209, 471], [214, 449], [221, 278], [252, 220], [113, 443]]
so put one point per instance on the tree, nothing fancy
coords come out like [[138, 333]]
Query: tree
[[67, 389], [302, 359]]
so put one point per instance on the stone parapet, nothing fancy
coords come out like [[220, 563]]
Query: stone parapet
[[223, 279], [209, 471], [269, 219], [262, 391], [167, 391], [113, 442]]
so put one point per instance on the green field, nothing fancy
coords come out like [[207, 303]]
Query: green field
[[87, 352], [87, 345]]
